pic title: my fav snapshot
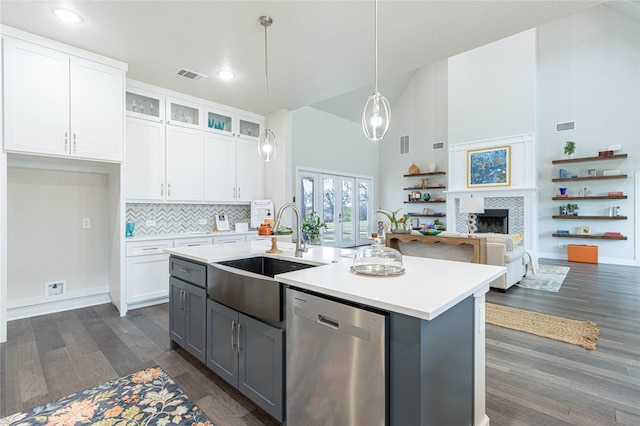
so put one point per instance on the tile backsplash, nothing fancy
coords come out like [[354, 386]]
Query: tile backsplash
[[180, 218]]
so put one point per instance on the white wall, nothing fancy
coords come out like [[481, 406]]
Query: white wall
[[492, 90], [589, 71], [328, 142], [421, 113], [45, 238]]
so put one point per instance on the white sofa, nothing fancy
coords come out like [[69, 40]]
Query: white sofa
[[503, 251]]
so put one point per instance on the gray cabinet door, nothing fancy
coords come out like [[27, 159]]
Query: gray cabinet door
[[196, 332], [260, 374], [177, 314], [222, 329], [187, 317]]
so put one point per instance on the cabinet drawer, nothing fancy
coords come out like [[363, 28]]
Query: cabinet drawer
[[194, 273], [192, 242], [144, 248], [228, 239]]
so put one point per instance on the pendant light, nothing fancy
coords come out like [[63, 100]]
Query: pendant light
[[377, 112], [267, 141]]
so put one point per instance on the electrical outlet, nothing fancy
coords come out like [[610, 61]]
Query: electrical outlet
[[202, 222], [150, 223], [561, 245], [86, 222]]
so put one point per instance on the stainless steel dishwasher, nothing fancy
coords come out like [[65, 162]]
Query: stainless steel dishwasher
[[336, 362]]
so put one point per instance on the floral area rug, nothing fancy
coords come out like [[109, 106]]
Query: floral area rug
[[548, 278], [148, 397]]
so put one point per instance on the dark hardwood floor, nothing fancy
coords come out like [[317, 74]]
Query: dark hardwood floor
[[530, 380]]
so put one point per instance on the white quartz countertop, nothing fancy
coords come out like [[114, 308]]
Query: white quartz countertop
[[427, 288]]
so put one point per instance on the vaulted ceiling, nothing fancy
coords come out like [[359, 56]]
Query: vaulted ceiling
[[320, 52]]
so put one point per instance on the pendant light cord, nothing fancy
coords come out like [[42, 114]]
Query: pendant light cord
[[266, 77], [375, 38]]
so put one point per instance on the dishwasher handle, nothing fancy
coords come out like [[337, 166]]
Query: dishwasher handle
[[329, 322]]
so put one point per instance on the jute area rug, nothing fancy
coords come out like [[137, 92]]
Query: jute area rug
[[581, 333]]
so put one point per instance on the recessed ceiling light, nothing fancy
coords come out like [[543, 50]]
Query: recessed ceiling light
[[67, 16], [226, 74]]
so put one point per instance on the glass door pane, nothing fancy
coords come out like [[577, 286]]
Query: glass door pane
[[307, 196], [329, 208], [346, 216], [363, 211]]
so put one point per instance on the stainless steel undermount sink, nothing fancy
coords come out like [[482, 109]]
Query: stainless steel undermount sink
[[247, 285]]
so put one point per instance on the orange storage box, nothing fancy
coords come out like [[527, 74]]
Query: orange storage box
[[583, 253]]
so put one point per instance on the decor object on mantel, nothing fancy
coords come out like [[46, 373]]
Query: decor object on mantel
[[267, 146], [569, 148], [146, 397], [377, 111], [397, 225], [413, 169], [472, 206]]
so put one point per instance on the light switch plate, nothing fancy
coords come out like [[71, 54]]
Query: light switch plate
[[86, 222], [150, 223], [202, 222]]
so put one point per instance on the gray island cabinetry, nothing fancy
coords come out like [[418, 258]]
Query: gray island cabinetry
[[427, 353]]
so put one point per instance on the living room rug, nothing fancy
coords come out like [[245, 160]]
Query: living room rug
[[143, 398], [581, 333], [548, 278]]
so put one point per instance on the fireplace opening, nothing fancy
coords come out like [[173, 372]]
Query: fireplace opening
[[493, 220]]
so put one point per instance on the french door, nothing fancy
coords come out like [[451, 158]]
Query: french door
[[343, 202]]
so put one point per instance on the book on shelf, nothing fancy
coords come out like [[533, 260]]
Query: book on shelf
[[612, 234], [616, 194], [562, 231]]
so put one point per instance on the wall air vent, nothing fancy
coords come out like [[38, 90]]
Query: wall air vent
[[191, 75], [563, 127], [404, 144], [438, 145]]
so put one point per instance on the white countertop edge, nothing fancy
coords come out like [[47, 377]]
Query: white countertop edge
[[196, 235], [481, 287]]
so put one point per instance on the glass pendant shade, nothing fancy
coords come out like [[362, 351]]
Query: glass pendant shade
[[267, 145], [376, 117]]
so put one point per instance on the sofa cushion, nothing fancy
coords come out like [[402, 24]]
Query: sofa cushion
[[516, 253], [505, 239]]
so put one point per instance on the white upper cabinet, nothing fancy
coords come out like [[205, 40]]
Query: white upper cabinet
[[183, 113], [250, 171], [59, 104], [219, 168], [36, 99], [145, 159], [249, 128], [185, 164], [97, 119]]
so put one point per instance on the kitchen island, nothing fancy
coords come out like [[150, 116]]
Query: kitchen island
[[435, 309]]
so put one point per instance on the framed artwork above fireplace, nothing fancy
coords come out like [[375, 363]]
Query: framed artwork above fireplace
[[489, 167]]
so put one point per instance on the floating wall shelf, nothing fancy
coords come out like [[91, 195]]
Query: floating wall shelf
[[583, 159], [591, 217], [593, 237]]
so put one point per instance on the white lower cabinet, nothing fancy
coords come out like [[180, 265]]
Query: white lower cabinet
[[147, 273]]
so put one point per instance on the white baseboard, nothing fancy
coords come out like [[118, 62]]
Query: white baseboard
[[27, 308], [137, 305]]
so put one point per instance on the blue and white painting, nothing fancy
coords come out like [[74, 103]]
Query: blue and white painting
[[489, 167]]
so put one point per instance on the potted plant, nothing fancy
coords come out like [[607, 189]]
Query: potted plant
[[569, 148], [438, 224], [312, 228], [398, 225], [572, 209]]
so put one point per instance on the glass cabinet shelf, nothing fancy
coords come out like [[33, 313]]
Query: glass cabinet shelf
[[249, 128], [143, 105], [219, 122], [184, 114]]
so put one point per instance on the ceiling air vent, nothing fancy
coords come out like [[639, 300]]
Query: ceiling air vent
[[438, 145], [191, 75], [563, 127], [404, 144]]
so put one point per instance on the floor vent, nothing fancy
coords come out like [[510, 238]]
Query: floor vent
[[191, 75], [404, 144], [563, 127], [438, 145]]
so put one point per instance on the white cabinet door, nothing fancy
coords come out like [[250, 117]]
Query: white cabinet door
[[36, 99], [147, 273], [144, 166], [250, 171], [97, 110], [219, 168], [185, 164]]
